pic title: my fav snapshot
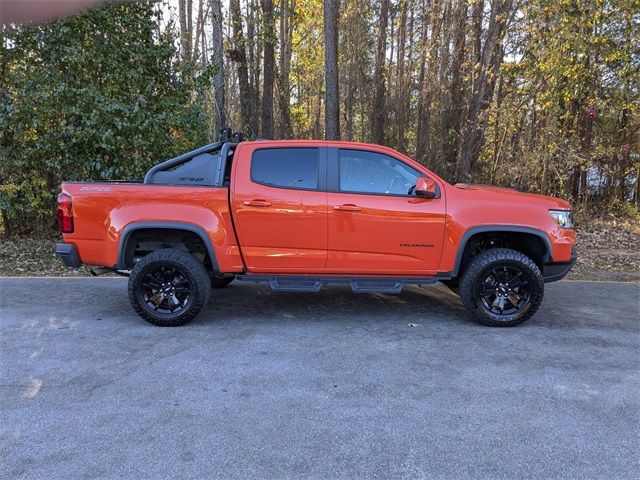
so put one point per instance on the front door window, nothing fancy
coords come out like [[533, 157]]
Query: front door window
[[375, 173]]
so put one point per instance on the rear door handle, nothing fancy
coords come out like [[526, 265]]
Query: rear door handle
[[257, 203], [348, 207]]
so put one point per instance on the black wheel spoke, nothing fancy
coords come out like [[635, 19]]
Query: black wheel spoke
[[165, 289], [174, 303], [151, 282], [514, 298], [167, 275], [504, 290], [495, 302], [517, 280], [487, 289], [156, 300]]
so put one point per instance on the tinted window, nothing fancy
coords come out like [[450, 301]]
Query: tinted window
[[286, 167], [369, 172]]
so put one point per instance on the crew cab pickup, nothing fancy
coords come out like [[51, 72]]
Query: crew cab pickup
[[301, 214]]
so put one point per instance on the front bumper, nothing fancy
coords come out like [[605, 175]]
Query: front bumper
[[68, 254], [552, 272]]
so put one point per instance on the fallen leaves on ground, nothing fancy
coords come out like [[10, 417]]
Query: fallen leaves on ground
[[23, 256], [607, 250]]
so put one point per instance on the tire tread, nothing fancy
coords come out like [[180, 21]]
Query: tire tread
[[480, 263], [201, 285]]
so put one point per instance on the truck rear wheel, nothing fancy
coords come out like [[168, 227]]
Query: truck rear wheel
[[169, 287], [502, 287]]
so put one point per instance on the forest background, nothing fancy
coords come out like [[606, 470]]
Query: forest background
[[539, 95]]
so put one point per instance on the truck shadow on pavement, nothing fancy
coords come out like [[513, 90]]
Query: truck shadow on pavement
[[414, 305]]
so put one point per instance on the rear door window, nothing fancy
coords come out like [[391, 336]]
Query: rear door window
[[295, 168]]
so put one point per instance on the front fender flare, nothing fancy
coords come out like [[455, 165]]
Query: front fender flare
[[499, 228]]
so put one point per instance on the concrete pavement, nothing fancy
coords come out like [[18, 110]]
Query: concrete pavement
[[329, 385]]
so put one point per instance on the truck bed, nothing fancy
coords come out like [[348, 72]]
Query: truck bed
[[102, 211]]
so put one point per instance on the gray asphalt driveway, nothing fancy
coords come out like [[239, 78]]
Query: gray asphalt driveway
[[328, 385]]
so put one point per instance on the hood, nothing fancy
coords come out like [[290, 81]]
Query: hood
[[516, 195], [484, 187]]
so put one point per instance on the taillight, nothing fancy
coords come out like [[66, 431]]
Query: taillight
[[65, 213]]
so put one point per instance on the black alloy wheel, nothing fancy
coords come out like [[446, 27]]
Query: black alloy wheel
[[505, 290], [166, 289], [501, 287], [169, 287]]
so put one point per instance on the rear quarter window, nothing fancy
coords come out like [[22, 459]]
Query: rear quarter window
[[286, 167]]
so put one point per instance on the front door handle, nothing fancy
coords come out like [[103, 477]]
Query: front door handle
[[348, 207], [257, 203]]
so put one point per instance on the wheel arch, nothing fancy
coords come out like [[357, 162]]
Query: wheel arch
[[127, 231], [511, 231]]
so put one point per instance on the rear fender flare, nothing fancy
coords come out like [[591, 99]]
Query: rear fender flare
[[132, 227]]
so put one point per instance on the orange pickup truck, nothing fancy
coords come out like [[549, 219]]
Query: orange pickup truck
[[301, 214]]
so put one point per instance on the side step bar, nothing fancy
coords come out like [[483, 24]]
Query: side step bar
[[306, 283]]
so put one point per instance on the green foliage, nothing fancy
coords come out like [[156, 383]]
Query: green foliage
[[625, 211], [569, 118], [105, 94], [92, 97]]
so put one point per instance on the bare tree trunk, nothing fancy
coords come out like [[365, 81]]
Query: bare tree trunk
[[427, 71], [483, 87], [287, 10], [255, 58], [190, 29], [185, 10], [408, 85], [317, 130], [332, 97], [348, 111], [392, 45], [354, 80], [6, 137], [268, 67], [478, 10], [198, 47], [636, 193], [217, 55], [453, 114], [422, 120], [378, 113], [182, 15], [401, 117], [239, 55]]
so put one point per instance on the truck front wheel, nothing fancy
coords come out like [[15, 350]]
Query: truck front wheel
[[169, 287], [502, 287]]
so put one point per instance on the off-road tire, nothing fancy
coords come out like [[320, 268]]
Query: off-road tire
[[221, 282], [481, 266], [189, 267]]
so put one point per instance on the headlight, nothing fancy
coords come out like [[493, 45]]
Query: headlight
[[563, 218]]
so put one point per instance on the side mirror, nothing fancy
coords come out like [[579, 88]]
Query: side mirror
[[426, 188]]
